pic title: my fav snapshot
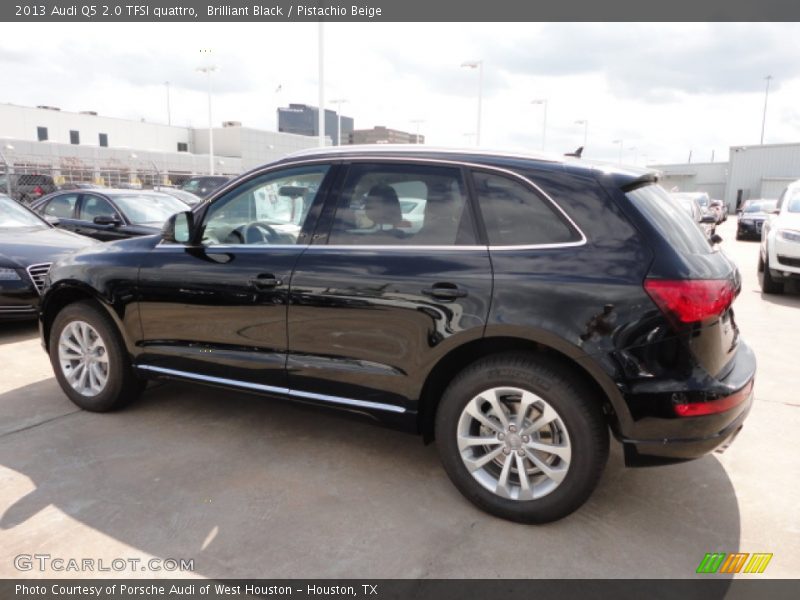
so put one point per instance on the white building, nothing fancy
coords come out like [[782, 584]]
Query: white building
[[82, 146], [760, 171]]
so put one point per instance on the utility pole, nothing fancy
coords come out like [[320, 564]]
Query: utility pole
[[764, 117], [321, 83]]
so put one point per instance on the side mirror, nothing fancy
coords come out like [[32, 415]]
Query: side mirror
[[715, 239], [708, 219], [54, 221], [179, 228], [107, 220]]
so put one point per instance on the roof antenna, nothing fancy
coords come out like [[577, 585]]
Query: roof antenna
[[577, 153]]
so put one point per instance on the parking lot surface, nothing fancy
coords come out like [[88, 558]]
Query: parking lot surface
[[248, 486]]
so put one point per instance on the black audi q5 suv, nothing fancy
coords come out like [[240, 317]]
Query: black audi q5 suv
[[526, 309]]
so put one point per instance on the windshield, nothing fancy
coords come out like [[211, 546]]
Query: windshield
[[147, 209], [794, 203], [757, 207], [14, 216], [670, 219]]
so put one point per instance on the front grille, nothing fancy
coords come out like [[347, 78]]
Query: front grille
[[38, 275], [789, 261]]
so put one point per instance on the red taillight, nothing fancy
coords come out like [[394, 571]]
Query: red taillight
[[691, 300], [712, 407], [38, 190]]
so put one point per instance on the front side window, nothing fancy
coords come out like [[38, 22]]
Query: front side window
[[794, 203], [95, 206], [62, 207], [410, 204], [515, 215], [266, 210]]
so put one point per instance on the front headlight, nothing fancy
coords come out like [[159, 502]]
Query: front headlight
[[789, 235], [7, 274]]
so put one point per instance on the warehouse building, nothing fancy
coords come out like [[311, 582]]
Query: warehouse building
[[760, 171], [85, 146]]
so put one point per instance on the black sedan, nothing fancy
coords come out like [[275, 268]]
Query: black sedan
[[111, 214], [751, 219], [28, 245]]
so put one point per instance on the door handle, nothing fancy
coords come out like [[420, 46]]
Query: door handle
[[445, 291], [265, 282]]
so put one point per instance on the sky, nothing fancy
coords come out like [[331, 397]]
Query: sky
[[663, 90]]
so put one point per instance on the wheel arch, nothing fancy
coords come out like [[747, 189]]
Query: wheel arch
[[615, 410], [66, 293]]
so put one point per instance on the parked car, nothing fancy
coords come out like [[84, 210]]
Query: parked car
[[28, 245], [182, 195], [203, 186], [779, 254], [752, 217], [27, 187], [706, 221], [721, 209], [541, 305], [109, 214]]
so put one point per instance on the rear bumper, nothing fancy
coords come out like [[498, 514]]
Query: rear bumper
[[668, 438], [751, 229]]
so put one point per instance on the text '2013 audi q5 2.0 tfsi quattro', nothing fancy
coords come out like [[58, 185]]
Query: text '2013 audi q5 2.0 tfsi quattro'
[[535, 306]]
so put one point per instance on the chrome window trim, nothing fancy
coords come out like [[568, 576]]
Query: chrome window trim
[[453, 163], [284, 391]]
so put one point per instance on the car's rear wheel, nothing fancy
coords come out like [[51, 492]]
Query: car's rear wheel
[[522, 438], [765, 278], [90, 360]]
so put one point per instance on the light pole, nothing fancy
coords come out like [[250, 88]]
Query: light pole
[[543, 102], [635, 151], [8, 167], [321, 84], [417, 122], [169, 112], [208, 71], [585, 123], [338, 102], [620, 142], [764, 118], [477, 64]]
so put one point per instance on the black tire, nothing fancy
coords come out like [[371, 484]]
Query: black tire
[[578, 408], [122, 385], [765, 278]]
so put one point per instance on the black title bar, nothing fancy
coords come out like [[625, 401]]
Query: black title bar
[[399, 10]]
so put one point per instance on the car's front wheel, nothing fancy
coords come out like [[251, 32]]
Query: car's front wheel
[[89, 359], [521, 438]]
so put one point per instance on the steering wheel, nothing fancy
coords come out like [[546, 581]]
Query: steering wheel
[[260, 232]]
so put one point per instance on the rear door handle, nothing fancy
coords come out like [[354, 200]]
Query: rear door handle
[[445, 291], [265, 282]]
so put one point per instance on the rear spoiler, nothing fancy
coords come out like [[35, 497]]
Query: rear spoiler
[[641, 181]]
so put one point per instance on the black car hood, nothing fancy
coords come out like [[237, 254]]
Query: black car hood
[[24, 247]]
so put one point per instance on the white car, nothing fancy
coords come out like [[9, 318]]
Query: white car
[[779, 258]]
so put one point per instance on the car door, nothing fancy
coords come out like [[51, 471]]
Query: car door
[[216, 310], [374, 307], [91, 206]]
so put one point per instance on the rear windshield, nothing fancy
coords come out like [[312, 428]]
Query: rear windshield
[[671, 220]]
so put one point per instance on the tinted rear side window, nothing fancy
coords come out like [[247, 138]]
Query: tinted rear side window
[[515, 215], [670, 220]]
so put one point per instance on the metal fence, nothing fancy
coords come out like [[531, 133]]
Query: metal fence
[[27, 177]]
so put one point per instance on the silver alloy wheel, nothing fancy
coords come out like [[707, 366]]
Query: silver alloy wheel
[[514, 443], [83, 357]]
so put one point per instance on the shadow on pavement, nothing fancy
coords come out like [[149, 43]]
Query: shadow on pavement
[[254, 487], [17, 331]]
